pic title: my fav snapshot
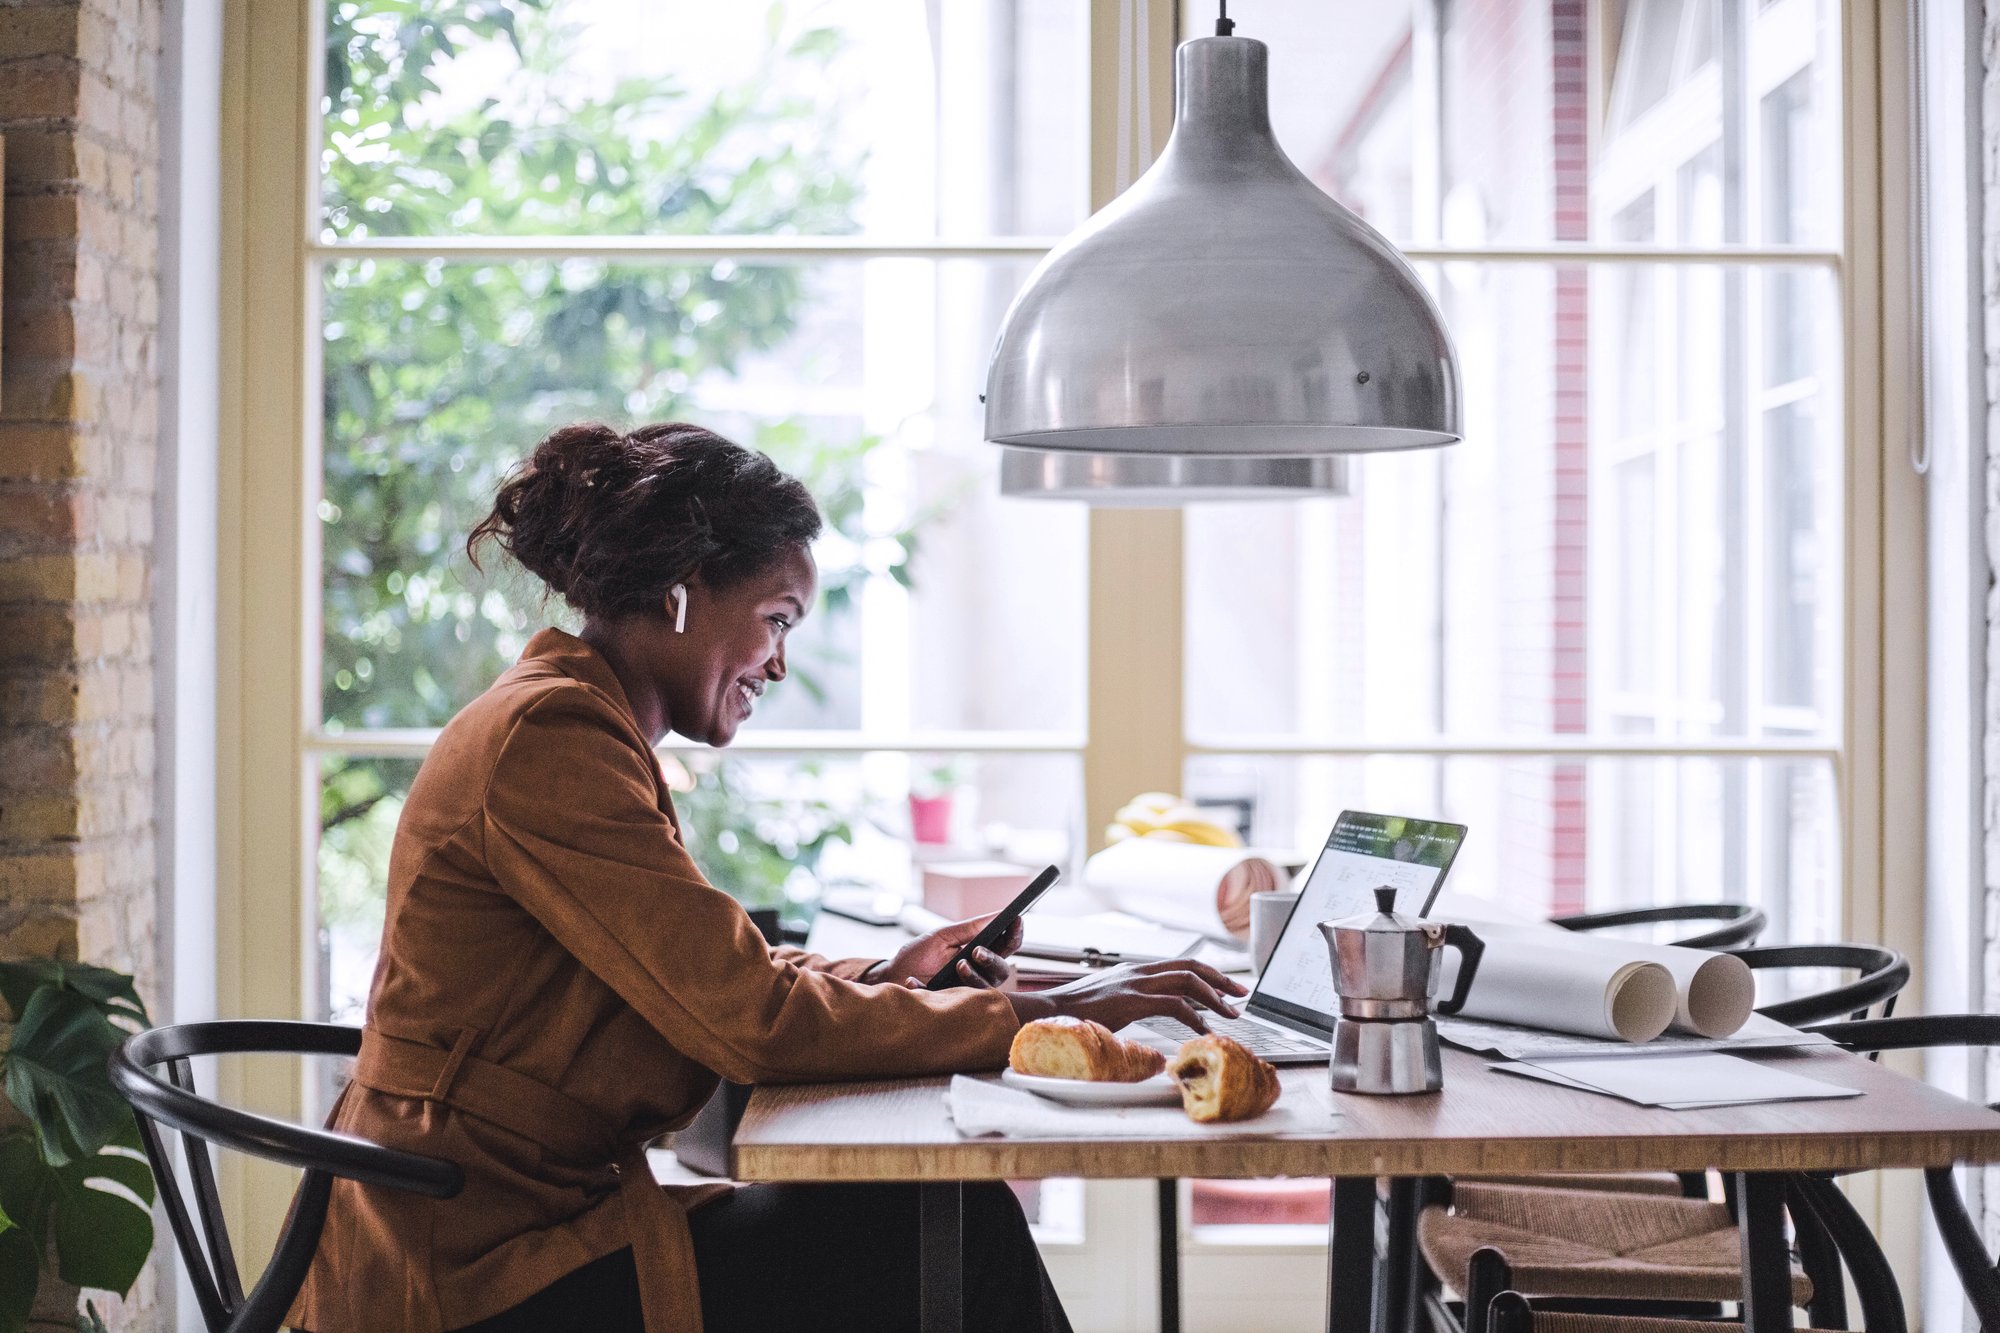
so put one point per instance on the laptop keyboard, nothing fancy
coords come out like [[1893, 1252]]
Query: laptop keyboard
[[1255, 1037]]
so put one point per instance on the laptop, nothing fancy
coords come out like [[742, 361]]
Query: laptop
[[1288, 1018]]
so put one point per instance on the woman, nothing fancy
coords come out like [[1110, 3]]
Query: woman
[[558, 984]]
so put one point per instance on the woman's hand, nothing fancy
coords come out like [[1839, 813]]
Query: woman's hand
[[1176, 988], [918, 961]]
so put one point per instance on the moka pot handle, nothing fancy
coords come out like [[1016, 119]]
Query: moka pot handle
[[1470, 949]]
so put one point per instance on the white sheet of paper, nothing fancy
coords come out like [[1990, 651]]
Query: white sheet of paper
[[1687, 1081], [1549, 1075], [1525, 1043]]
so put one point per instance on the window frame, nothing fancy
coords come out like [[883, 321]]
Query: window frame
[[268, 566]]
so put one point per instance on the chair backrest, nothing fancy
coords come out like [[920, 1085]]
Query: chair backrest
[[1740, 923], [1962, 1240], [1883, 972], [202, 1237]]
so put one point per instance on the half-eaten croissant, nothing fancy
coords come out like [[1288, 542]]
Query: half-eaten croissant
[[1221, 1080]]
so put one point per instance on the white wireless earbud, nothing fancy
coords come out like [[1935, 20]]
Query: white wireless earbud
[[679, 593]]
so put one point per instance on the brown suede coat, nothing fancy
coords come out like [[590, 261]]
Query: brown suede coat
[[559, 985]]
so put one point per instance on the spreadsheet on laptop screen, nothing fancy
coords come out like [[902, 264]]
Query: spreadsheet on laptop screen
[[1363, 853]]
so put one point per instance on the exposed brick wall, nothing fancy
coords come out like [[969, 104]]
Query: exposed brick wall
[[1569, 696], [79, 409], [1517, 112]]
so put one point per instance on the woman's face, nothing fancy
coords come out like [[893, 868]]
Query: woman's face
[[734, 646]]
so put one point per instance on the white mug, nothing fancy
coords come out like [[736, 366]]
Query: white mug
[[1268, 913]]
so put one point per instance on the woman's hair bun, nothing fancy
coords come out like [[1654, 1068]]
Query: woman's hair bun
[[611, 520]]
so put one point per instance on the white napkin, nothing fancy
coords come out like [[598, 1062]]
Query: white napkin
[[981, 1106]]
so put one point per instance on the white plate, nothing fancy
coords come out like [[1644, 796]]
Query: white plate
[[1159, 1090]]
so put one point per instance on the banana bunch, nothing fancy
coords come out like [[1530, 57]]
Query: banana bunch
[[1157, 814]]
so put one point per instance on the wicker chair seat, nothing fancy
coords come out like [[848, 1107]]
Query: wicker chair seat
[[1549, 1321], [1592, 1243]]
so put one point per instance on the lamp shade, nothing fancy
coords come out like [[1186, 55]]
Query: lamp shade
[[1223, 305], [1163, 481]]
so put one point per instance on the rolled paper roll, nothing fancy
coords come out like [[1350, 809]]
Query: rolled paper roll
[[1719, 998], [1180, 884], [1525, 977], [1714, 993]]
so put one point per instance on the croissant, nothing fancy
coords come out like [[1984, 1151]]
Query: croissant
[[1079, 1048], [1221, 1080]]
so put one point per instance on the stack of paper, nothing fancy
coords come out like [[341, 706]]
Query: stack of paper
[[1527, 1043], [1102, 938], [1680, 1082], [1055, 948]]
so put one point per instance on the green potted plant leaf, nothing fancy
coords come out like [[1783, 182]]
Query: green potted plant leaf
[[75, 1192]]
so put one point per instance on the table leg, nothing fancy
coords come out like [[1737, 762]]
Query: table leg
[[1350, 1297], [941, 1257], [1170, 1255], [1767, 1263], [1399, 1257]]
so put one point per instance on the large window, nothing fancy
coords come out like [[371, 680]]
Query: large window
[[544, 211], [1604, 631], [535, 213]]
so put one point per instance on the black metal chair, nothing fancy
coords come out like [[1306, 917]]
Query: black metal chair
[[322, 1155], [1741, 924], [1825, 1224], [1883, 972], [1961, 1236]]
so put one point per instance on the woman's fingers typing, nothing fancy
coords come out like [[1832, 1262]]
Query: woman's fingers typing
[[1213, 976], [1187, 1013], [1119, 996], [1190, 985]]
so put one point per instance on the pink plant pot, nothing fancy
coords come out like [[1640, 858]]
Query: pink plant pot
[[930, 819]]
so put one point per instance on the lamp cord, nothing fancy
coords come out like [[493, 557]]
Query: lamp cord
[[1224, 27]]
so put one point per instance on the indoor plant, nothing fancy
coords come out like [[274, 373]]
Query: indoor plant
[[75, 1192]]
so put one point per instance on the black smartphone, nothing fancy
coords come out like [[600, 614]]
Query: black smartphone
[[996, 929]]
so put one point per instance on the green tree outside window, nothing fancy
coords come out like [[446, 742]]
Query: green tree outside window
[[439, 375]]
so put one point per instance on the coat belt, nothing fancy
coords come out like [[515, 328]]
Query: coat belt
[[662, 1249]]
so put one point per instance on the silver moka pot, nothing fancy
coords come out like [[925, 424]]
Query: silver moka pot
[[1385, 971]]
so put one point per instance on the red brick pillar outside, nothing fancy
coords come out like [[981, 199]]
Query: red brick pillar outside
[[1569, 107], [79, 418]]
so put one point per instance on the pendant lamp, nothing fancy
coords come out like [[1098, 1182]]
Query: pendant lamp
[[1163, 481], [1221, 329]]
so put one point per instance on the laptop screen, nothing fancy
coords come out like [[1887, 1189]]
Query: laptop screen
[[1362, 853]]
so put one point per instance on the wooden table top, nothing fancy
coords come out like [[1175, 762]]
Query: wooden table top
[[1482, 1123]]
